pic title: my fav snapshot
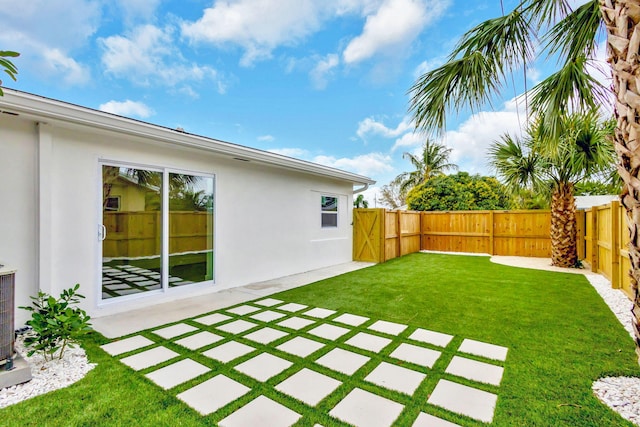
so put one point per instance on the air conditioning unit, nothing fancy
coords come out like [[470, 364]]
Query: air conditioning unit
[[7, 313]]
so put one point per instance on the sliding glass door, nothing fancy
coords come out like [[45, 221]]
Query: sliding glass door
[[157, 230]]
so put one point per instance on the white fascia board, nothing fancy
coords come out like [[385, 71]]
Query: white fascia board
[[53, 111]]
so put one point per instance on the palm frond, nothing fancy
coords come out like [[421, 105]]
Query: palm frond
[[577, 34]]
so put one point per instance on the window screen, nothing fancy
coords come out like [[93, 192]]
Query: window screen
[[329, 213]]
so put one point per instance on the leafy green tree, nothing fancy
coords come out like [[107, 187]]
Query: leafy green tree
[[7, 66], [459, 192], [536, 164], [596, 188], [432, 161], [360, 202]]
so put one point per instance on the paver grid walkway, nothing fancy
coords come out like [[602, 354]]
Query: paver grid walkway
[[274, 363]]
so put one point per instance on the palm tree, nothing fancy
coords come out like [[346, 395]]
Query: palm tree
[[484, 59], [7, 66], [534, 163], [360, 202], [432, 161]]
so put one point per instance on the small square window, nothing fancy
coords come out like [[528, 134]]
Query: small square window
[[329, 211], [112, 204]]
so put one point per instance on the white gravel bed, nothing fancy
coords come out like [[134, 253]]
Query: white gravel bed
[[622, 394], [47, 376]]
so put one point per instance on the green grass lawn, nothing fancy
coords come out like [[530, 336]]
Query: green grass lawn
[[560, 334]]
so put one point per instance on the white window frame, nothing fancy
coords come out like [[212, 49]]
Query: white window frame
[[332, 213]]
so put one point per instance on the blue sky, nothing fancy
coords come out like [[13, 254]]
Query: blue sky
[[320, 80]]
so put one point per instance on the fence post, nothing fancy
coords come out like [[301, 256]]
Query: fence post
[[594, 239], [615, 244], [422, 245], [491, 233]]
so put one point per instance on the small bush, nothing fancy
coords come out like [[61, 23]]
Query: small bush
[[57, 323]]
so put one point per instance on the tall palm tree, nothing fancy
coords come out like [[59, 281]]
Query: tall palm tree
[[582, 152], [481, 63], [432, 161]]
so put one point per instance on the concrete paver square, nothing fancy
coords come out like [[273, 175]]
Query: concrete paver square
[[329, 332], [343, 361], [213, 394], [458, 398], [368, 342], [296, 323], [267, 316], [396, 378], [475, 371], [390, 328], [484, 349], [292, 307], [177, 373], [237, 326], [212, 319], [149, 358], [268, 302], [414, 354], [263, 366], [126, 345], [199, 340], [228, 351], [431, 337], [242, 310], [300, 346], [175, 330], [426, 420], [319, 313], [308, 386], [261, 411], [363, 409], [351, 319], [265, 335]]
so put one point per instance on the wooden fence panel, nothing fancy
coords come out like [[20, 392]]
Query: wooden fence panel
[[522, 233], [410, 232], [392, 248], [368, 235], [457, 231]]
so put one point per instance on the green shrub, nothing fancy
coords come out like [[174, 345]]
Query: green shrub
[[57, 323]]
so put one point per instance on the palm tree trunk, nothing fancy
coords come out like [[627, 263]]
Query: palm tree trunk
[[622, 19], [564, 252]]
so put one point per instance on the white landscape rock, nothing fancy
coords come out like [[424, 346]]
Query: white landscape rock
[[47, 376]]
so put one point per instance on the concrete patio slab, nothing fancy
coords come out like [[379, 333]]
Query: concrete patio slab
[[426, 420], [396, 378], [475, 371], [458, 398], [126, 345], [431, 337], [478, 348], [237, 326], [390, 328], [261, 411], [363, 409], [267, 316], [343, 361], [213, 319], [242, 309], [414, 354], [292, 307], [319, 313], [369, 342], [177, 373], [300, 346], [175, 330], [298, 386], [228, 351], [329, 332], [263, 366], [269, 302], [296, 323], [149, 358], [351, 319], [213, 394], [199, 340], [265, 335]]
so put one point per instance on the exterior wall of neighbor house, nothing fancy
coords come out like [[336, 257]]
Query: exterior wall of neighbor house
[[267, 219]]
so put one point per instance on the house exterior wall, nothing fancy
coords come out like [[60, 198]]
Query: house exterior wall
[[267, 218]]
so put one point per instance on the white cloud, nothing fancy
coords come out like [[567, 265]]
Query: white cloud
[[408, 140], [429, 65], [371, 126], [127, 108], [72, 72], [392, 28], [323, 70], [133, 10], [266, 138], [365, 164], [290, 152], [148, 55]]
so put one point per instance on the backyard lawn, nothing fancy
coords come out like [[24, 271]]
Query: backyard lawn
[[560, 334]]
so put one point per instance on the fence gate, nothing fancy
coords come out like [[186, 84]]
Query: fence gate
[[368, 233]]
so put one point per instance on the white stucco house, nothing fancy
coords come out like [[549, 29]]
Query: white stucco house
[[140, 214]]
